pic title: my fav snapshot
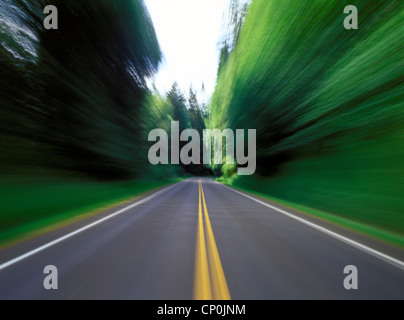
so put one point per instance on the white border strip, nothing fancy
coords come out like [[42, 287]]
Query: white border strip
[[360, 246], [69, 235]]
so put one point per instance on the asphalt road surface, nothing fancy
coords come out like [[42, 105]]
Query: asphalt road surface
[[198, 239]]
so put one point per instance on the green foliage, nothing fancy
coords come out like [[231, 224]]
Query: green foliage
[[76, 98], [195, 113], [178, 101], [50, 202], [76, 111], [327, 103], [77, 103], [189, 116]]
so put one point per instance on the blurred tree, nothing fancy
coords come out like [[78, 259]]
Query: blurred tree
[[195, 112], [181, 114], [91, 78], [327, 104]]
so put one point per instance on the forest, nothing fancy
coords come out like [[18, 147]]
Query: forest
[[326, 103], [76, 110]]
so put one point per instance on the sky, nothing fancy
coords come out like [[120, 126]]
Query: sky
[[188, 32]]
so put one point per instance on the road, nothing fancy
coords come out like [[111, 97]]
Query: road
[[198, 239]]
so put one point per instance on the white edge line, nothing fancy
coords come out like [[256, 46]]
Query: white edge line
[[360, 246], [71, 234]]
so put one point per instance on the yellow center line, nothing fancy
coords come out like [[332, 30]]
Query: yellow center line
[[202, 287], [216, 281]]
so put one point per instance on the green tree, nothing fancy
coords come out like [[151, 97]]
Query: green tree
[[91, 82], [327, 104], [195, 112], [181, 114]]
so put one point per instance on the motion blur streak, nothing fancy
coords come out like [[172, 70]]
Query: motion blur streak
[[327, 103], [77, 105], [76, 111], [56, 241]]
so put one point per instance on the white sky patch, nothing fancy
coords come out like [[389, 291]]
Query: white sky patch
[[188, 32]]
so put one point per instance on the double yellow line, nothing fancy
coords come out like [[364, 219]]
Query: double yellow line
[[210, 282]]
